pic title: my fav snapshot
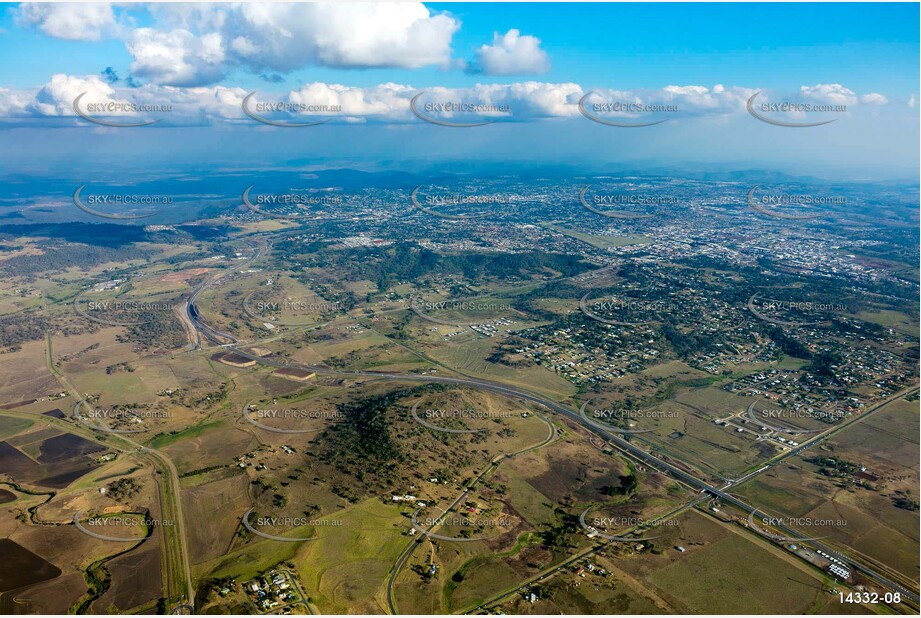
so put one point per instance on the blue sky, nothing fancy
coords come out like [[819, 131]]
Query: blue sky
[[649, 45], [538, 58]]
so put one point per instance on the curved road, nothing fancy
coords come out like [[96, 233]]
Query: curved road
[[493, 465]]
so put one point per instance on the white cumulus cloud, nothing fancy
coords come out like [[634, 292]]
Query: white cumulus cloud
[[56, 98], [201, 43], [512, 54], [176, 57], [829, 93], [384, 100], [77, 21], [874, 98]]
